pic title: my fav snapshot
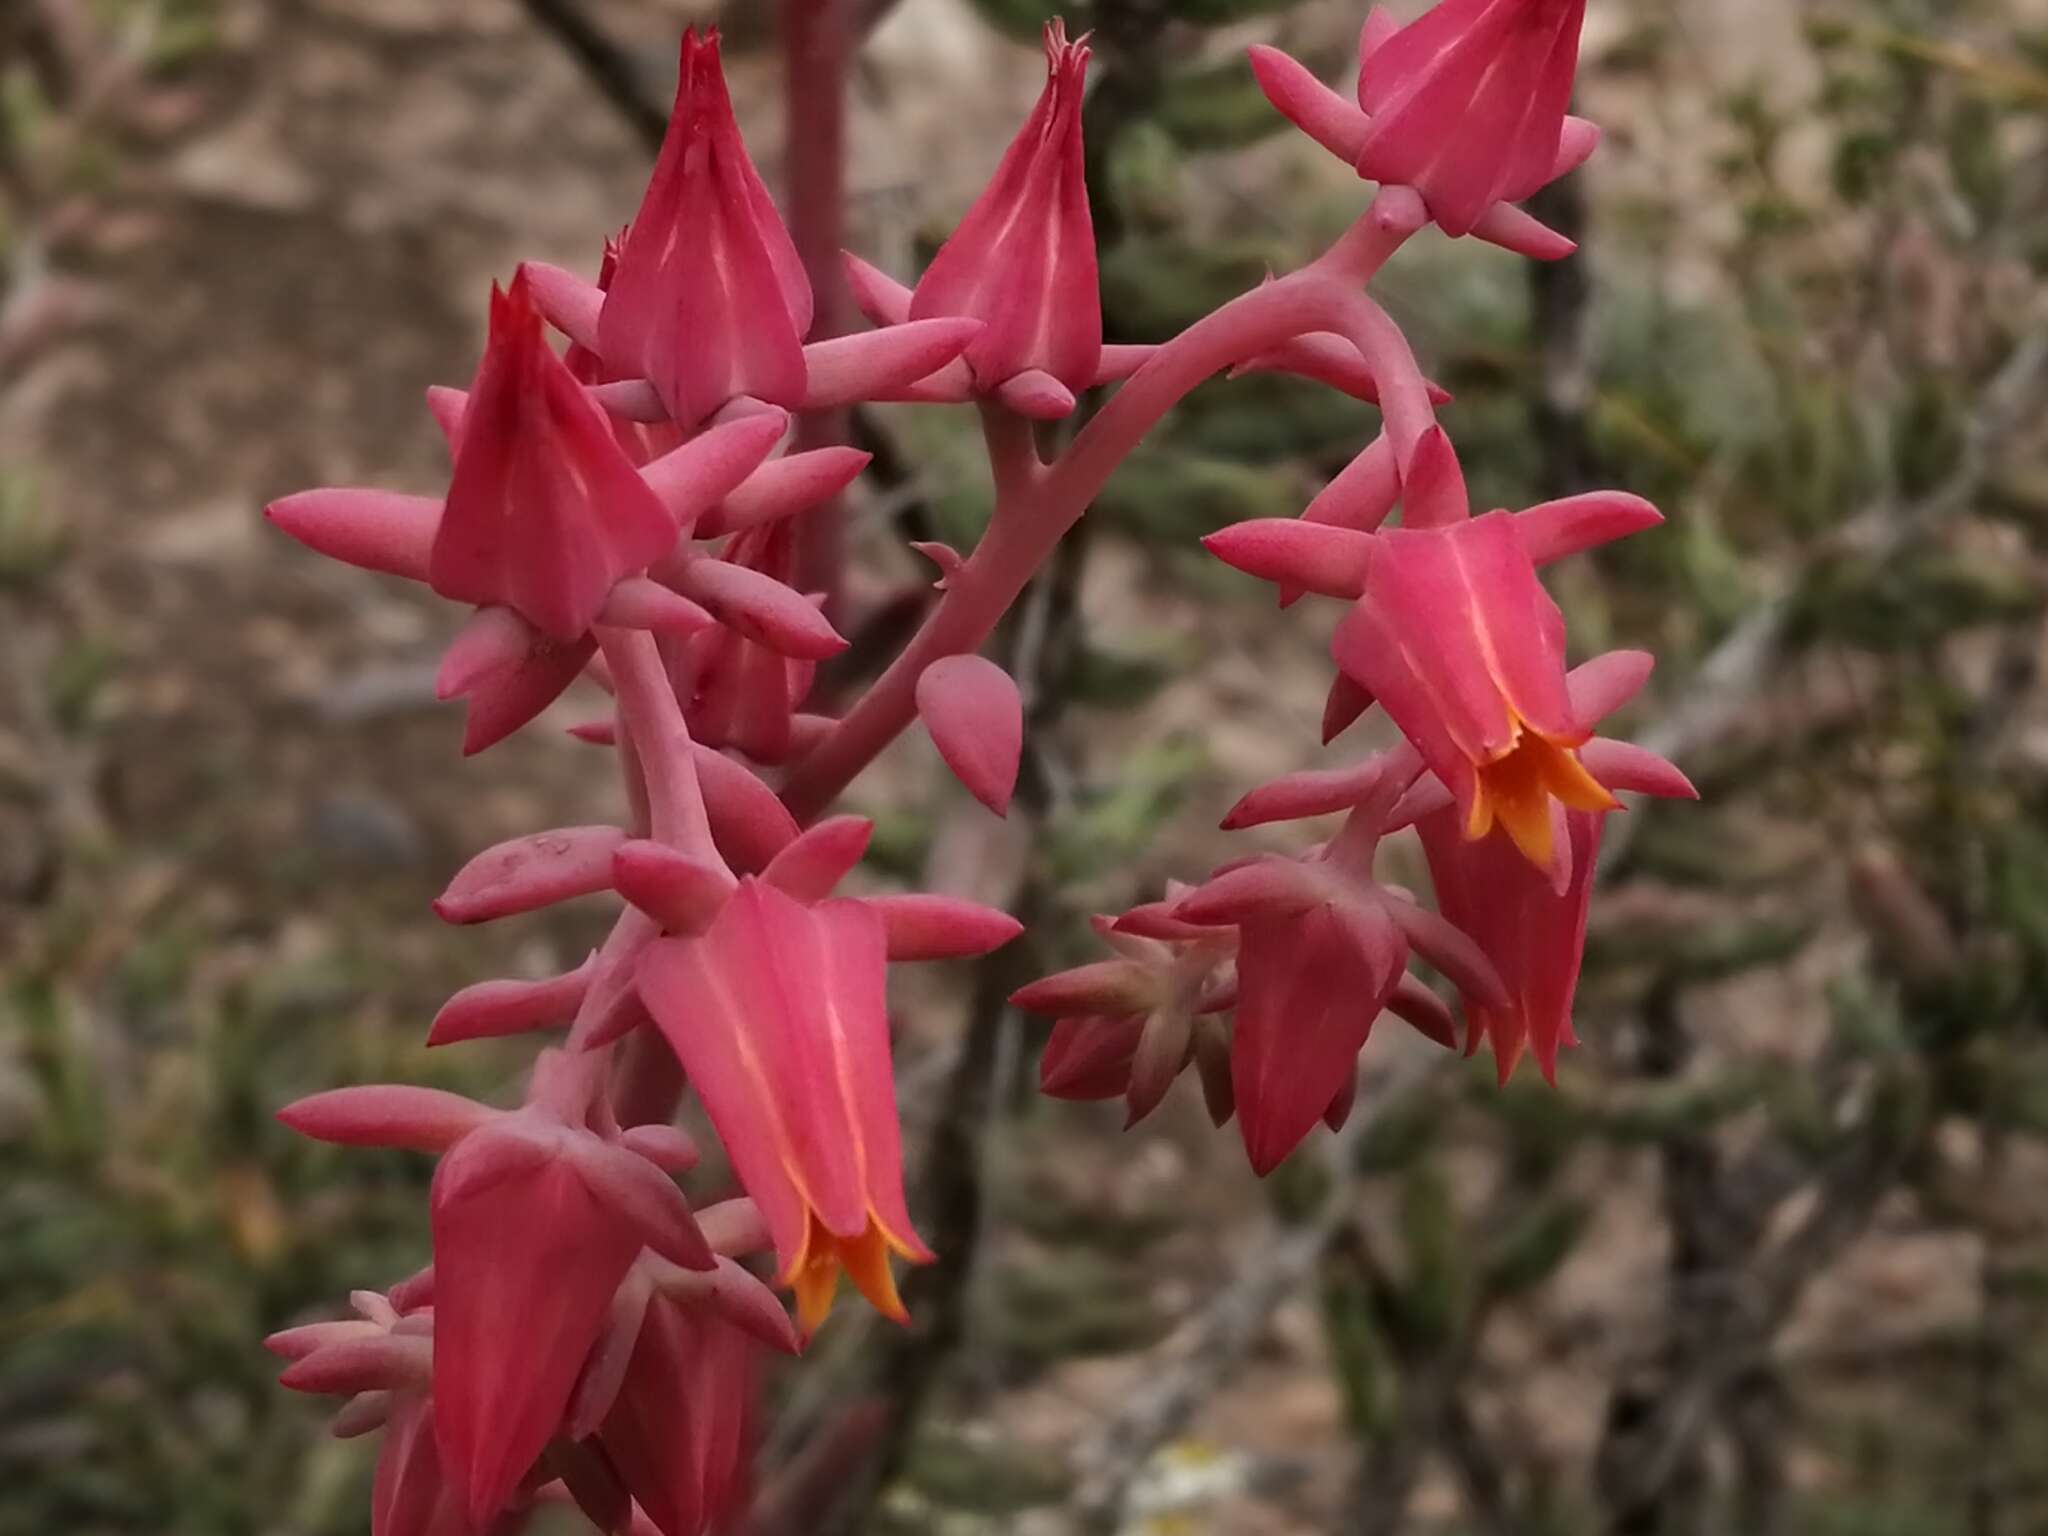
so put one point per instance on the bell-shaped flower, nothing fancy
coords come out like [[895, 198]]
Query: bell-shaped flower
[[1534, 934], [1458, 641], [1531, 926], [709, 301], [778, 1014], [535, 1224], [1468, 103], [1128, 1027], [680, 1425], [1322, 951], [536, 1220], [1467, 106], [545, 515], [1023, 259]]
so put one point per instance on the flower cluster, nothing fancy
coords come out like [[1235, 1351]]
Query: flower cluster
[[619, 513]]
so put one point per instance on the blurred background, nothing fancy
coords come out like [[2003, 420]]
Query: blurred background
[[1770, 1259]]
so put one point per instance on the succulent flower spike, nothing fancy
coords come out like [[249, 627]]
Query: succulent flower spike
[[708, 301], [545, 514], [583, 1335], [1023, 260], [1461, 645], [778, 1016]]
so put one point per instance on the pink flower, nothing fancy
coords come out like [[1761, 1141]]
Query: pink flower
[[678, 1432], [709, 301], [536, 1220], [545, 515], [1023, 260], [1466, 106], [1534, 934], [1461, 645], [1322, 952], [777, 1013], [1468, 103], [1530, 926]]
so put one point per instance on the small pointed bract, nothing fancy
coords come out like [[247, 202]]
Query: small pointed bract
[[920, 926], [1459, 642], [526, 873], [545, 513], [1468, 103], [387, 1115], [1023, 260], [709, 301], [976, 720], [503, 701], [778, 1016]]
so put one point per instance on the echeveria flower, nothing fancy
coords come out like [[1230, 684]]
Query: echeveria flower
[[708, 301], [546, 514], [1023, 260], [777, 1014]]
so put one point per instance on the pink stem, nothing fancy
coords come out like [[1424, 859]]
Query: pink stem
[[1357, 842], [1396, 215], [1025, 529], [653, 723]]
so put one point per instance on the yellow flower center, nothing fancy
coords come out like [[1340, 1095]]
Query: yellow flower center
[[814, 1274], [1517, 787]]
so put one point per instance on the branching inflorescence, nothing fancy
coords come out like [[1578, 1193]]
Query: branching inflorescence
[[621, 512]]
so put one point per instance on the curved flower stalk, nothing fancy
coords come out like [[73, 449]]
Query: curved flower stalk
[[621, 518]]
